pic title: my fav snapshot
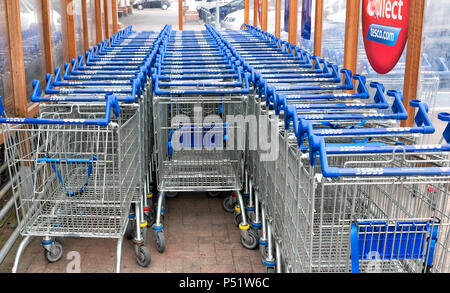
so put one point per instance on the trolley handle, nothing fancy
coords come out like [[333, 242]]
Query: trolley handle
[[335, 172], [304, 128], [37, 97], [66, 160], [111, 104], [133, 92]]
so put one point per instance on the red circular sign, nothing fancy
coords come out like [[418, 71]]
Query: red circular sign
[[385, 31]]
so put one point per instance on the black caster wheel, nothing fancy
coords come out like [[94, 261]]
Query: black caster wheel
[[143, 256], [57, 253], [252, 242], [160, 242], [264, 252], [129, 232], [270, 270], [237, 219], [214, 194], [150, 217], [228, 204], [172, 194]]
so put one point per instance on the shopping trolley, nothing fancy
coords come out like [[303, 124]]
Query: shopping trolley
[[78, 171], [85, 92], [272, 174], [196, 87]]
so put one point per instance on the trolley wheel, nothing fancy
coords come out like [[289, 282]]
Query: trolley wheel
[[150, 218], [172, 194], [160, 242], [237, 219], [270, 270], [143, 256], [214, 194], [228, 204], [264, 252], [57, 255], [252, 242], [129, 232]]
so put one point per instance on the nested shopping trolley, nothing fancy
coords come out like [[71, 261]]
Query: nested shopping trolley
[[78, 172], [197, 89], [313, 230]]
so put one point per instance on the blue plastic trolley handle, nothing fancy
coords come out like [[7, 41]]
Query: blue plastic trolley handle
[[111, 104]]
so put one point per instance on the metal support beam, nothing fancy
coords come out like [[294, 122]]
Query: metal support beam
[[46, 28], [71, 37], [264, 8], [278, 18], [255, 13], [106, 10], [351, 35], [180, 15], [246, 11], [17, 64], [293, 12], [318, 28], [115, 17], [98, 21]]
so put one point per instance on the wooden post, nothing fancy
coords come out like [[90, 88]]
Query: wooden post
[[255, 13], [70, 22], [180, 15], [115, 17], [106, 11], [351, 35], [278, 18], [46, 25], [85, 25], [264, 15], [413, 58], [16, 58], [246, 11], [98, 21], [293, 11], [318, 28]]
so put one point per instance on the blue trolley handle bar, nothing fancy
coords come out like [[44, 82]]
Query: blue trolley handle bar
[[303, 127], [111, 104], [335, 172], [54, 162], [37, 97]]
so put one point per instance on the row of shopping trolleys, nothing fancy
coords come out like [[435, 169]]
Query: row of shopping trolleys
[[343, 186], [197, 84], [83, 167]]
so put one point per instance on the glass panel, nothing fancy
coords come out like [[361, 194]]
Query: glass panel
[[57, 33], [92, 23], [103, 20], [251, 11], [271, 16], [32, 36], [284, 35], [110, 17], [79, 26], [307, 44], [5, 69], [333, 34], [434, 86]]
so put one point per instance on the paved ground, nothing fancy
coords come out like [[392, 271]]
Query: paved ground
[[201, 238], [156, 18]]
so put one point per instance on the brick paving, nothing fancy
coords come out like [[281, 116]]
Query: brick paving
[[201, 238]]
